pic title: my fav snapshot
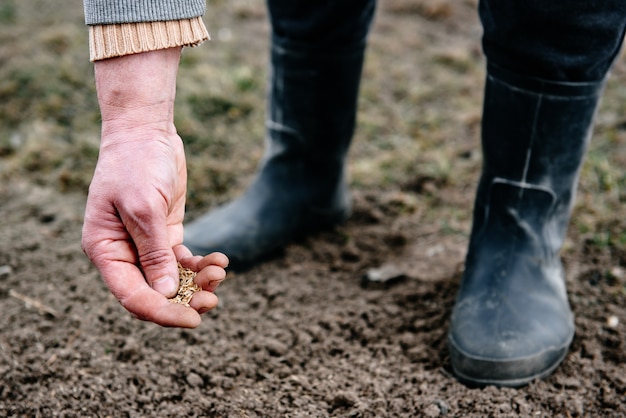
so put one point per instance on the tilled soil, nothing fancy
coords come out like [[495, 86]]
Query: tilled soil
[[299, 336], [303, 334]]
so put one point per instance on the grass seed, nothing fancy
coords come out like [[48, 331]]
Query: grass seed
[[187, 287]]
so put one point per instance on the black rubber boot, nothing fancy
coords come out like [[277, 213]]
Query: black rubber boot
[[512, 322], [301, 186]]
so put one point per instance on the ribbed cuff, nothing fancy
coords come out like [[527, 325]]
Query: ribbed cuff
[[115, 40]]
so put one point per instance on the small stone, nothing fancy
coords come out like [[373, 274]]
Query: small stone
[[576, 407], [5, 271], [344, 399], [612, 321], [383, 276], [443, 406], [275, 347], [432, 411], [618, 272], [194, 379]]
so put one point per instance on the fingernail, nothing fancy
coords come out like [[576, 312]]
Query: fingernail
[[167, 286]]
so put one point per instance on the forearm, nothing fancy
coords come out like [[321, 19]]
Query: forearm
[[138, 90]]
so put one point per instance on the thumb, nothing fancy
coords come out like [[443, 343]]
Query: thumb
[[164, 283], [156, 257], [160, 268]]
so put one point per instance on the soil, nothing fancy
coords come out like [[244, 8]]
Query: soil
[[304, 334]]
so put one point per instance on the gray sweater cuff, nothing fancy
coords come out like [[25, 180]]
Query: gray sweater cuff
[[102, 12]]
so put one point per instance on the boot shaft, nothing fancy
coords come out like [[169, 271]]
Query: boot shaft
[[534, 138], [312, 101]]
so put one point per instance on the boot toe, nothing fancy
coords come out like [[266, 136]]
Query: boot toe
[[508, 344], [227, 231], [249, 232]]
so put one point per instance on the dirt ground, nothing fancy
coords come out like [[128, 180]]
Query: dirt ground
[[303, 334]]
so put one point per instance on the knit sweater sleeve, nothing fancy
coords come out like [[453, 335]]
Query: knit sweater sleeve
[[123, 27], [102, 12]]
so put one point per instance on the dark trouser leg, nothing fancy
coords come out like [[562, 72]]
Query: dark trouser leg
[[512, 322], [569, 41], [317, 55]]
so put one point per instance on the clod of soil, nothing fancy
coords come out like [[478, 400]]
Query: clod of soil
[[187, 286]]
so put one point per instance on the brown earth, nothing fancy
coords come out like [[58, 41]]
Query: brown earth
[[301, 335]]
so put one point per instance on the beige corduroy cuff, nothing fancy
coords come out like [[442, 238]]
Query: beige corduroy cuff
[[108, 41]]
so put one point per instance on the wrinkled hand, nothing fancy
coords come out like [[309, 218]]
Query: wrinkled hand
[[133, 228]]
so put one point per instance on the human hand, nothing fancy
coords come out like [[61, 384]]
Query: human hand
[[133, 228]]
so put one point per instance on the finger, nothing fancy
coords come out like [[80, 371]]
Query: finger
[[215, 258], [127, 283], [210, 277], [185, 256], [186, 259], [203, 301], [210, 269], [191, 261]]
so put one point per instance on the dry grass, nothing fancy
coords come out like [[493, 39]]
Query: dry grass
[[418, 123]]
